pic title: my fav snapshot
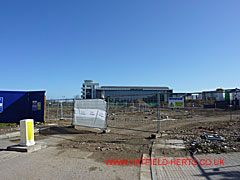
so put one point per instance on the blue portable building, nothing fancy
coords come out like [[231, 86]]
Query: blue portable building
[[18, 105]]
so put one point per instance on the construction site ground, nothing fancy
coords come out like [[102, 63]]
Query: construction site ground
[[81, 152]]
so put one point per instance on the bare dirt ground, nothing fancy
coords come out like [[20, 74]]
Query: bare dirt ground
[[117, 144], [130, 133]]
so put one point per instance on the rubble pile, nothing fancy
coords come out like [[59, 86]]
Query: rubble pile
[[209, 137], [217, 140]]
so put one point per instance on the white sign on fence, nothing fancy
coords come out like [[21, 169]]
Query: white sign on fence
[[90, 113], [176, 102]]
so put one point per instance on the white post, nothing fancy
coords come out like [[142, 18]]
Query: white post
[[27, 132]]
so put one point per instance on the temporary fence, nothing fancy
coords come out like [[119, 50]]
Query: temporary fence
[[207, 122], [153, 113], [59, 111], [150, 112], [90, 113]]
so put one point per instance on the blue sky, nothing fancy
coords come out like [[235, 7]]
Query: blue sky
[[54, 45]]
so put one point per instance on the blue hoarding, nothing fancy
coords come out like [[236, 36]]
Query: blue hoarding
[[18, 105]]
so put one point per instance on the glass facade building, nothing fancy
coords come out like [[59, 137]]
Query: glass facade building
[[89, 89], [128, 93]]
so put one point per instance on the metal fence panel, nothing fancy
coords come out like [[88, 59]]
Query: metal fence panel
[[90, 113], [59, 111], [134, 112]]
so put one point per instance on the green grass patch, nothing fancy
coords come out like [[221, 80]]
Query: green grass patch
[[7, 124]]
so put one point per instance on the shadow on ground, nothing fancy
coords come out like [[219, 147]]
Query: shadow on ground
[[63, 130]]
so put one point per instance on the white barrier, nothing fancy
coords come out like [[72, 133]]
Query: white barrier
[[90, 113], [27, 132]]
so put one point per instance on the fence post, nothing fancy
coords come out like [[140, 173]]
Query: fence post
[[57, 112], [107, 113], [48, 108], [73, 114], [158, 113], [61, 105]]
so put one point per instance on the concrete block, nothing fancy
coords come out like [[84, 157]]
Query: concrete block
[[19, 148], [170, 144]]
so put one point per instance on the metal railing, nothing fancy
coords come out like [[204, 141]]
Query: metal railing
[[59, 110]]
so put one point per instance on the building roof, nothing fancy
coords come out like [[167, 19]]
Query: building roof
[[153, 88]]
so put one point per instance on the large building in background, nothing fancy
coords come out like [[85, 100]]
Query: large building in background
[[89, 89], [92, 90], [220, 97]]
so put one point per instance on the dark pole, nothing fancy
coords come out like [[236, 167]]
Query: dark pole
[[108, 98], [158, 113]]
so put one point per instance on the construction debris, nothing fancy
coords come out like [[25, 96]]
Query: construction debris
[[221, 140]]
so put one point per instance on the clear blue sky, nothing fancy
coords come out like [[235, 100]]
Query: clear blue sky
[[188, 45]]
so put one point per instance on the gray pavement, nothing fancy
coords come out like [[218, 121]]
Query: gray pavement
[[55, 163], [229, 168]]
